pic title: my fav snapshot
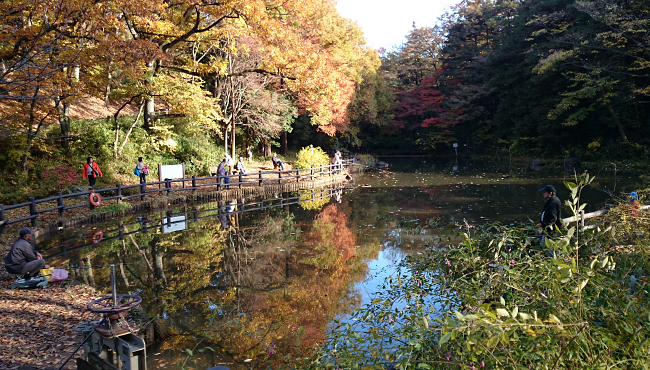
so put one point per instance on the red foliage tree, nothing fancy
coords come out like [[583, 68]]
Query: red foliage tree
[[421, 106]]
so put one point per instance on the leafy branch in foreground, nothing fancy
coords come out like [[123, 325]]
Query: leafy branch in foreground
[[497, 300]]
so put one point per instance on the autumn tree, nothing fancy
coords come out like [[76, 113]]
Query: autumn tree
[[39, 51]]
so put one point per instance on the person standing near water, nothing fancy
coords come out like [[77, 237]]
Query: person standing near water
[[221, 171], [91, 171], [143, 169], [552, 212]]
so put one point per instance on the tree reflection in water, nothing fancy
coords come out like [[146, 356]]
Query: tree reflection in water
[[264, 287]]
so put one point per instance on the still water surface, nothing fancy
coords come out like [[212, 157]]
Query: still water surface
[[247, 282]]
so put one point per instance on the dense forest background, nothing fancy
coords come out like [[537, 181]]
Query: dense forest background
[[536, 78], [187, 81]]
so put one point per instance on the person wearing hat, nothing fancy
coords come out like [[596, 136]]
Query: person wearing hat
[[552, 213], [634, 204], [22, 258]]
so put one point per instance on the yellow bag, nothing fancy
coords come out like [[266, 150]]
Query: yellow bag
[[48, 273]]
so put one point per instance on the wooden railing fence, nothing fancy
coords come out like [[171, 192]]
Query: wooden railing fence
[[194, 215], [585, 216], [121, 193]]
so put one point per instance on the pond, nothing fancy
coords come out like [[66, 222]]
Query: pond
[[252, 283]]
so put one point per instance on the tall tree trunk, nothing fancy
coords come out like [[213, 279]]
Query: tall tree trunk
[[31, 132], [232, 119], [283, 143], [232, 141], [266, 149], [149, 108], [126, 137], [63, 108], [618, 122], [109, 78], [249, 144], [159, 271], [89, 271]]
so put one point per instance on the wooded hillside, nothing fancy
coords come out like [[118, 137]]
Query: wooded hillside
[[537, 77], [547, 78]]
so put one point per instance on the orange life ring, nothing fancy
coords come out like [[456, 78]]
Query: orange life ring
[[95, 199], [97, 236]]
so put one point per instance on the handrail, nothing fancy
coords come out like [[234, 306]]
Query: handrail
[[229, 209], [585, 216], [248, 179]]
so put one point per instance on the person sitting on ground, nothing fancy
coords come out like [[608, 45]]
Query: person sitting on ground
[[22, 258], [552, 214], [240, 166], [277, 162]]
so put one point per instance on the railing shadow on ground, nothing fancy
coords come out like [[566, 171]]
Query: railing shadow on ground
[[121, 193], [170, 221]]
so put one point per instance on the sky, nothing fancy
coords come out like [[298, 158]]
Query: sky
[[385, 23]]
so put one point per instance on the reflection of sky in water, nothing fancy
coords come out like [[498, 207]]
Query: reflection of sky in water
[[378, 270]]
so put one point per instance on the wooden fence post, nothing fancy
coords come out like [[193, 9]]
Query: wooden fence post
[[3, 220], [193, 184], [59, 203], [119, 193], [168, 185], [143, 190], [260, 178], [32, 211], [279, 176], [240, 180]]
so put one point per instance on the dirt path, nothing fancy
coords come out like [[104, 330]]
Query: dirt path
[[37, 327]]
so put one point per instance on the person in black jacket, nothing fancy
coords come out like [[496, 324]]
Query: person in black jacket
[[552, 214], [22, 258]]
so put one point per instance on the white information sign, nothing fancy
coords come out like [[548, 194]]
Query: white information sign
[[172, 224], [171, 171]]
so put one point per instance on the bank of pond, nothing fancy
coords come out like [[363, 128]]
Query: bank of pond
[[387, 275]]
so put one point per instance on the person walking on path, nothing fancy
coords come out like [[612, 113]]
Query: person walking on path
[[22, 258], [91, 171], [240, 166], [552, 213], [143, 169], [221, 171]]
